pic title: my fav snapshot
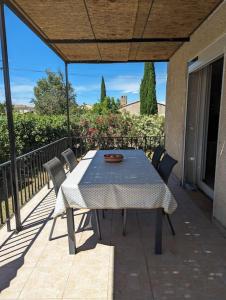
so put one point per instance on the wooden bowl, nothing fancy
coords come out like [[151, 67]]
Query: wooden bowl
[[113, 158]]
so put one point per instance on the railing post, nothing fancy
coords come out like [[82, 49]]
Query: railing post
[[67, 99], [145, 144], [9, 111], [7, 213]]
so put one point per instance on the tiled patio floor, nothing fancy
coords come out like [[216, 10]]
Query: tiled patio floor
[[192, 266]]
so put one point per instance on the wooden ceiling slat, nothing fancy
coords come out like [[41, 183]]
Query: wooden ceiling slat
[[92, 20], [57, 18], [112, 19], [177, 18], [80, 52], [156, 51], [114, 52], [143, 9]]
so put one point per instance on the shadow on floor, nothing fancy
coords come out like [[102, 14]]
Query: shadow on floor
[[193, 264], [17, 245]]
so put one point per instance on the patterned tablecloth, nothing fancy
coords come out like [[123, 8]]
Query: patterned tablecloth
[[96, 184]]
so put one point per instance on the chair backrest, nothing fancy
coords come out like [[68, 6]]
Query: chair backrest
[[157, 156], [70, 159], [56, 173], [165, 167]]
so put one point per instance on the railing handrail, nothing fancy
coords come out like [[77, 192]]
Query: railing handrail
[[75, 137], [114, 137], [33, 151]]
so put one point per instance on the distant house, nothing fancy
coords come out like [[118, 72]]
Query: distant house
[[23, 109], [161, 109], [134, 107], [88, 106]]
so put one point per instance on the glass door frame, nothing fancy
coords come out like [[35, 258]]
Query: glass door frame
[[203, 122]]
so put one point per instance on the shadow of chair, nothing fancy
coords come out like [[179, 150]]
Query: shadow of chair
[[14, 249]]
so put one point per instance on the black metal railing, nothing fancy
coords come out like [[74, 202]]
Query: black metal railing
[[32, 177], [85, 143]]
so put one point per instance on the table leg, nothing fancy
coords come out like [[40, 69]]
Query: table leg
[[158, 231], [71, 230], [98, 223], [124, 221]]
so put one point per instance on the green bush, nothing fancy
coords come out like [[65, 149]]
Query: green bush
[[121, 125], [33, 131]]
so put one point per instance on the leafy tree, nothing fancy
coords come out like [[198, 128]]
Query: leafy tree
[[50, 94], [148, 102], [2, 108], [106, 106], [103, 90], [115, 105]]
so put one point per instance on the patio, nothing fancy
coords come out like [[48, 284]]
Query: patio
[[193, 264]]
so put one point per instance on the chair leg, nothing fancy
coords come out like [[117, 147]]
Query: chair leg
[[52, 228], [124, 221], [98, 224], [170, 224]]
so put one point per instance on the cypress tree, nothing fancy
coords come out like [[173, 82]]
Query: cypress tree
[[148, 102], [103, 90]]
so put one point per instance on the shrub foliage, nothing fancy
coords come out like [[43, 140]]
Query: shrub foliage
[[33, 131]]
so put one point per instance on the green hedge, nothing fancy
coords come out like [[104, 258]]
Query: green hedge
[[121, 125], [33, 131]]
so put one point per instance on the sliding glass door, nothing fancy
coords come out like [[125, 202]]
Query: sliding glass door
[[203, 111], [210, 113]]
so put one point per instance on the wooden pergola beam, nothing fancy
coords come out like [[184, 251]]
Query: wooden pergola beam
[[114, 62], [119, 41]]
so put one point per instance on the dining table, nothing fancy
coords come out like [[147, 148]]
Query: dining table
[[133, 183]]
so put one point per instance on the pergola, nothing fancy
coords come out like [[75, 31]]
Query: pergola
[[101, 31]]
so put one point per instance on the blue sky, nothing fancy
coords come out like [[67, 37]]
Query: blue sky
[[29, 57]]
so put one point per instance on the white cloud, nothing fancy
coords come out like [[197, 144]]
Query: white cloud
[[86, 88], [124, 83], [80, 88], [21, 90], [161, 80]]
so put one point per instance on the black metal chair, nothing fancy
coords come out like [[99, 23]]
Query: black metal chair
[[56, 173], [70, 159], [55, 170], [159, 151], [165, 168]]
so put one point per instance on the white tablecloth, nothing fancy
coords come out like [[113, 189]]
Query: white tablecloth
[[96, 184]]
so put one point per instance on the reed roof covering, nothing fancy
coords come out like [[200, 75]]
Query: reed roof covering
[[113, 30]]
